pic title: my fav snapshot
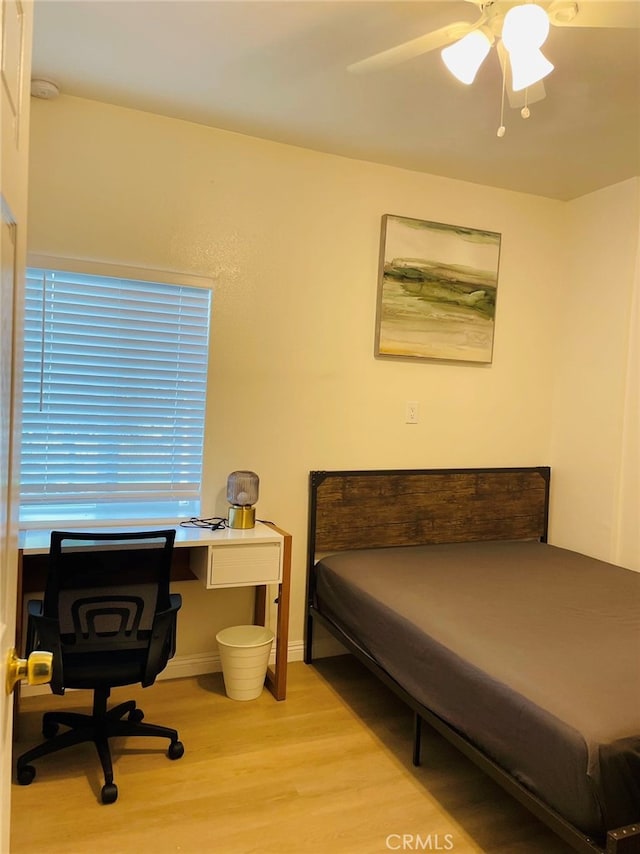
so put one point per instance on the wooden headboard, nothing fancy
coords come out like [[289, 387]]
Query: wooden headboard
[[376, 509]]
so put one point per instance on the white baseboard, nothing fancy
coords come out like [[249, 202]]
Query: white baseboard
[[186, 665], [198, 665]]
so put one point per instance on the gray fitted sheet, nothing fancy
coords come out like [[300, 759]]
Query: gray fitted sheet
[[531, 651]]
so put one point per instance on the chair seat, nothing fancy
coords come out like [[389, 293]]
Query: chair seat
[[113, 669]]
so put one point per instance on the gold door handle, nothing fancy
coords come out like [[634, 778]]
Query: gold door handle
[[36, 669]]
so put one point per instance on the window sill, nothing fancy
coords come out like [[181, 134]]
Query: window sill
[[106, 514]]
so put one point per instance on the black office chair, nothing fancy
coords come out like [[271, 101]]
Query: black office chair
[[109, 619]]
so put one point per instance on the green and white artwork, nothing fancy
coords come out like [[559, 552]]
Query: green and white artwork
[[437, 290]]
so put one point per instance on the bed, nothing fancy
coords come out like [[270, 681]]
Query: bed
[[524, 655]]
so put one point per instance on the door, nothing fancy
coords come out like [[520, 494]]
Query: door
[[15, 68]]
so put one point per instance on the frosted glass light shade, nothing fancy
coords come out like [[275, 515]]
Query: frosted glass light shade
[[525, 27], [528, 67], [242, 488], [524, 31], [463, 58]]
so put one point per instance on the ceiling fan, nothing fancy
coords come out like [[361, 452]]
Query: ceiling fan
[[517, 29]]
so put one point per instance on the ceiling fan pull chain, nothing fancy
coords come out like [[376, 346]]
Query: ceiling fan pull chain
[[525, 112], [502, 129]]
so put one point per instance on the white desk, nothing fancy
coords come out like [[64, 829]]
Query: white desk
[[255, 557]]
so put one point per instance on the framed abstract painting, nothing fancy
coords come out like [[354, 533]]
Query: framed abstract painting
[[437, 290]]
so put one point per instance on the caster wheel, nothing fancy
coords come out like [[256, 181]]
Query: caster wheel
[[109, 793], [50, 729], [176, 750], [136, 715], [26, 775]]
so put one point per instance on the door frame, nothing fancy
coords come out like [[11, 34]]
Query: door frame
[[16, 33]]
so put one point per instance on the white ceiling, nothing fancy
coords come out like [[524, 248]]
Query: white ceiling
[[277, 70]]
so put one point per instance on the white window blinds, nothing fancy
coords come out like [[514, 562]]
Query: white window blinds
[[115, 377]]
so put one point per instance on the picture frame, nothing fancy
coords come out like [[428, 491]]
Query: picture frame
[[437, 290]]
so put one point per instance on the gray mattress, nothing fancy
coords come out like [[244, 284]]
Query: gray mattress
[[531, 651]]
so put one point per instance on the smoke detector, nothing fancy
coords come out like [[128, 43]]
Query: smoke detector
[[45, 89]]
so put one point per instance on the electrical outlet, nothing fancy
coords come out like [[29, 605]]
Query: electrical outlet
[[411, 412]]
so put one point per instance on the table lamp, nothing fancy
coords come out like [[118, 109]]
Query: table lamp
[[242, 494]]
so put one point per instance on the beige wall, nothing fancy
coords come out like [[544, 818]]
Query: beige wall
[[594, 383], [290, 238]]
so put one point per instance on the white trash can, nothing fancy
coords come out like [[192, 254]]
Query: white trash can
[[244, 653]]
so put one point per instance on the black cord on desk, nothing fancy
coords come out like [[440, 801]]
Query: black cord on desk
[[213, 523]]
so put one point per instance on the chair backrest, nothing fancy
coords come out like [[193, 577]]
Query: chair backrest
[[104, 589]]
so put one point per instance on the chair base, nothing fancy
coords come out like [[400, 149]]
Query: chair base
[[98, 727]]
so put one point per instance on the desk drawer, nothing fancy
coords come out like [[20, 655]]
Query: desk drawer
[[232, 566]]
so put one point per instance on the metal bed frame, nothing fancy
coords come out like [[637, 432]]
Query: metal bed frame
[[382, 508]]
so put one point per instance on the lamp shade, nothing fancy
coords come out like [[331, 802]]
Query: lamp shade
[[525, 27], [524, 31], [464, 57], [528, 67], [242, 488], [242, 494]]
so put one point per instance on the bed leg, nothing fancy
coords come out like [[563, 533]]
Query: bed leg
[[308, 641], [624, 840], [417, 738]]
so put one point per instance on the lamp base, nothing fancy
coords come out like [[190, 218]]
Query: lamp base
[[242, 517]]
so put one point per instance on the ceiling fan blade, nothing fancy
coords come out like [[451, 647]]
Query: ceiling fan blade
[[595, 13], [415, 47]]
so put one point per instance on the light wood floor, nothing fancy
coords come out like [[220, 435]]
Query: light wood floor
[[327, 771]]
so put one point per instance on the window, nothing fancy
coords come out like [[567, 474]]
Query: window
[[115, 378]]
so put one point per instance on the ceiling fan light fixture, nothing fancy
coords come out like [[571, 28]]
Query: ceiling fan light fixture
[[464, 57], [528, 68], [525, 27], [524, 31]]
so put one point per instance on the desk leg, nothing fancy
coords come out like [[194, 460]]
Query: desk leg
[[276, 680]]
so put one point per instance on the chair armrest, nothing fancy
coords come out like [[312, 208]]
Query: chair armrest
[[163, 640]]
